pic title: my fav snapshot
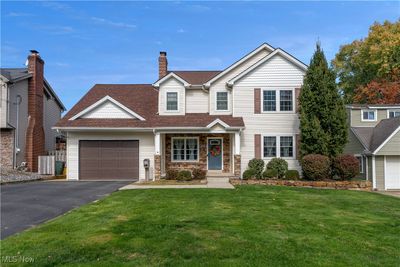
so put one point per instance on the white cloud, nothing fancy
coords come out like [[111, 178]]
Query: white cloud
[[113, 23], [181, 30], [18, 14]]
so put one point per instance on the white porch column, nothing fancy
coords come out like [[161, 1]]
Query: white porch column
[[237, 143], [157, 143]]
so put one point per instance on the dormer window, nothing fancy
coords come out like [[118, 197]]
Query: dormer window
[[222, 101], [368, 115], [172, 101]]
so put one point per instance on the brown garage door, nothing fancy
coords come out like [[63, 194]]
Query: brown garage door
[[109, 160]]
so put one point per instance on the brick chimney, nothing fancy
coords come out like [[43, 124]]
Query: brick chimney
[[162, 65], [35, 132]]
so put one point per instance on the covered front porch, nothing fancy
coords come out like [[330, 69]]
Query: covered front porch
[[216, 152]]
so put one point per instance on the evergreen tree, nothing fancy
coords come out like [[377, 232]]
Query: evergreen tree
[[323, 122]]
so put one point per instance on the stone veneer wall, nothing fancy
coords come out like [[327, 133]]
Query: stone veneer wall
[[6, 148], [202, 163]]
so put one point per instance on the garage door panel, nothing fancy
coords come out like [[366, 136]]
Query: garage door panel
[[109, 160], [392, 175]]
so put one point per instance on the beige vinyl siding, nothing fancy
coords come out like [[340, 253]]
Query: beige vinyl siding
[[51, 115], [220, 84], [392, 147], [276, 71], [353, 145], [19, 88], [356, 118], [270, 74], [196, 101], [380, 172], [146, 149], [171, 85], [108, 110]]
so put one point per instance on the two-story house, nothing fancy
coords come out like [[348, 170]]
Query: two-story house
[[213, 120], [374, 138], [29, 108]]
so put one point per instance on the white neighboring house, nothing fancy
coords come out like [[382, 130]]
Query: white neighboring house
[[29, 108], [212, 120]]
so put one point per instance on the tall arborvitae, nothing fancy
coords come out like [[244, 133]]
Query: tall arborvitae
[[322, 112]]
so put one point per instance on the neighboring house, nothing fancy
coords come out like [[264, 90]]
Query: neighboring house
[[213, 120], [29, 109], [374, 138]]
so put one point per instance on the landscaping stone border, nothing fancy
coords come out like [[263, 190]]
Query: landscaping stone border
[[347, 185]]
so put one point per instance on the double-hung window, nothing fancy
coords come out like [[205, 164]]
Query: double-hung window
[[278, 146], [286, 145], [286, 100], [278, 100], [368, 115], [172, 101], [393, 113], [269, 146], [269, 100], [222, 101], [185, 149]]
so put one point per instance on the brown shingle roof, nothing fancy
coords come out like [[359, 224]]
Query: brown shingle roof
[[142, 99], [196, 77]]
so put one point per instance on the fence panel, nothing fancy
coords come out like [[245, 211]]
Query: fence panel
[[47, 165]]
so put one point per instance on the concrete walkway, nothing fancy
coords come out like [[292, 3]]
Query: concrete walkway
[[219, 183], [390, 193]]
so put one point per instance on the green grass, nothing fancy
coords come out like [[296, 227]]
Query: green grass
[[248, 226]]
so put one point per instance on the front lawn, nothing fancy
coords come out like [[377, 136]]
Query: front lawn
[[248, 226]]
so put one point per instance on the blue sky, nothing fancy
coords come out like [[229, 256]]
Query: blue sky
[[84, 43]]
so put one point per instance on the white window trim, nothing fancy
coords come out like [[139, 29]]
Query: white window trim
[[362, 161], [166, 101], [278, 145], [391, 110], [369, 110], [216, 101], [278, 100], [185, 137]]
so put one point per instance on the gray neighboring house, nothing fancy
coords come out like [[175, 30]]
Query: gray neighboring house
[[374, 138], [29, 108]]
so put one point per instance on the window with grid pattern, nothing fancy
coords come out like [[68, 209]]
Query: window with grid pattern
[[172, 101], [185, 149], [222, 100], [286, 143], [269, 100], [269, 146], [286, 100]]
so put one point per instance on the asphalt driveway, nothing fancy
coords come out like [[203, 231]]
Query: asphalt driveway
[[25, 205]]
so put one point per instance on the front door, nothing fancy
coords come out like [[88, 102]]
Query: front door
[[215, 154]]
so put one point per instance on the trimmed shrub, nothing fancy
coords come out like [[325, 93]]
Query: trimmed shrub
[[171, 174], [257, 165], [184, 175], [316, 167], [199, 174], [279, 165], [270, 174], [346, 167], [292, 175], [249, 174]]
